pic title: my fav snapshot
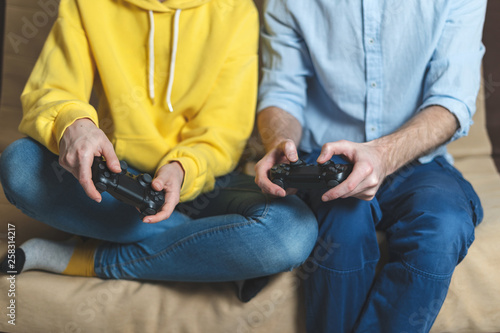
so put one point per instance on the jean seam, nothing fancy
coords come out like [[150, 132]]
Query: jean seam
[[349, 271], [179, 243], [460, 180], [470, 240], [424, 274]]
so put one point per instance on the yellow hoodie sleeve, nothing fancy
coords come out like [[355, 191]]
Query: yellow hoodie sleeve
[[213, 141], [53, 99]]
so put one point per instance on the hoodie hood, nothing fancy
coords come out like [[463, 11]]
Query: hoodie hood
[[168, 5]]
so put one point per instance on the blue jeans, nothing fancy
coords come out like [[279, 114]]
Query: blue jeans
[[428, 213], [231, 233]]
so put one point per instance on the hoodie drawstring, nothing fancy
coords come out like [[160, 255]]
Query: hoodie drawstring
[[173, 56], [151, 54], [172, 59]]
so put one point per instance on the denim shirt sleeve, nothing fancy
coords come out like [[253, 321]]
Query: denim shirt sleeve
[[285, 62], [453, 76]]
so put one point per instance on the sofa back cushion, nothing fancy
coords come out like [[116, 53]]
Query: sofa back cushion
[[27, 24]]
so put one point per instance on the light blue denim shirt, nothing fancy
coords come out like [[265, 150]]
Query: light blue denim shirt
[[359, 69]]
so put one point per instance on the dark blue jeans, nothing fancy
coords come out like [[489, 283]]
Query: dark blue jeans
[[428, 212]]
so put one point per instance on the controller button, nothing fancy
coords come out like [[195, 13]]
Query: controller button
[[332, 183], [149, 211], [124, 166], [102, 166], [161, 197], [101, 187], [107, 174], [279, 182]]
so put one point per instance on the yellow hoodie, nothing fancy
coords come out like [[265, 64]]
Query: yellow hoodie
[[176, 81]]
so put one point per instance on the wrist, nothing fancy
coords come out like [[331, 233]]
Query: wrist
[[275, 126], [82, 124], [179, 170], [385, 154]]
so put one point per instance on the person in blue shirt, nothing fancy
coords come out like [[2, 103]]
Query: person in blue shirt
[[385, 84]]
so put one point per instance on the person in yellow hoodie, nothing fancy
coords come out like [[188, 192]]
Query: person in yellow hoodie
[[177, 85]]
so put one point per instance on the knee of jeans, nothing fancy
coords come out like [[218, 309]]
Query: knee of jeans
[[439, 246], [347, 251], [15, 172], [347, 239], [292, 229]]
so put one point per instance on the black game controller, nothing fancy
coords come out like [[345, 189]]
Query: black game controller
[[128, 188], [301, 175]]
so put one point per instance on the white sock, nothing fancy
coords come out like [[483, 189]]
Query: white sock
[[43, 254], [48, 255]]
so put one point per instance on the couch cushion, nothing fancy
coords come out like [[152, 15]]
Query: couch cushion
[[27, 24]]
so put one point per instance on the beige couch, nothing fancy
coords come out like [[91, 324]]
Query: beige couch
[[47, 302]]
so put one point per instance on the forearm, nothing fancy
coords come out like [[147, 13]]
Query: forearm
[[424, 132], [280, 133], [275, 125]]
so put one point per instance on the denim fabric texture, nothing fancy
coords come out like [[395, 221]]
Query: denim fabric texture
[[428, 212]]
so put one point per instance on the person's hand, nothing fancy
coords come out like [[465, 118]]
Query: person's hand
[[80, 143], [169, 178], [286, 151], [369, 171]]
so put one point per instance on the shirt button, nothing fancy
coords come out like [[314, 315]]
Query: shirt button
[[371, 41], [374, 84], [373, 129]]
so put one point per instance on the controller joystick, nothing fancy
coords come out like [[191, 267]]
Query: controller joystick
[[297, 162], [301, 175], [131, 189]]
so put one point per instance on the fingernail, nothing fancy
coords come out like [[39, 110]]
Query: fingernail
[[147, 221], [98, 200]]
